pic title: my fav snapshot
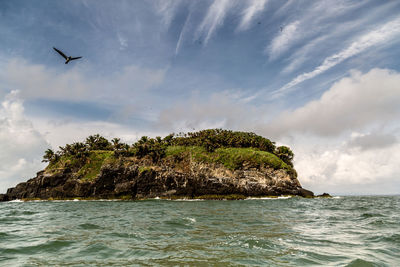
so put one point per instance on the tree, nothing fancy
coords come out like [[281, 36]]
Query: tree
[[116, 142], [98, 142], [49, 156], [155, 148], [285, 154]]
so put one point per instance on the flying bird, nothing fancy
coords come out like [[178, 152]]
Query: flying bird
[[67, 59]]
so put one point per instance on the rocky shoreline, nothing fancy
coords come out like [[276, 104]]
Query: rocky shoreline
[[128, 180], [209, 164]]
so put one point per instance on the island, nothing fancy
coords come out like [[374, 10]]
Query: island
[[207, 164]]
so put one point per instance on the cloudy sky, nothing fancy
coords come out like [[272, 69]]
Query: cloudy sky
[[322, 77]]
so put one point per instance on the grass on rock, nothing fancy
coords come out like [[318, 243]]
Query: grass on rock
[[232, 158]]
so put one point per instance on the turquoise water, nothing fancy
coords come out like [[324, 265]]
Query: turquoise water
[[345, 231]]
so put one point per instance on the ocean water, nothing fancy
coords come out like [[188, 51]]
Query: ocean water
[[343, 231]]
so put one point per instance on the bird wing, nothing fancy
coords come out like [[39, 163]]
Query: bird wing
[[61, 53], [73, 58]]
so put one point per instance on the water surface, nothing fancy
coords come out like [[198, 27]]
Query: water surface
[[345, 231]]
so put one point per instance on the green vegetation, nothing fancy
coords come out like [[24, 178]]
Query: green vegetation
[[232, 149], [93, 164], [232, 158], [212, 139], [86, 169]]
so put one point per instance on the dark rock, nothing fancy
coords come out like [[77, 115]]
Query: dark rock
[[3, 197], [305, 193], [136, 181], [324, 195]]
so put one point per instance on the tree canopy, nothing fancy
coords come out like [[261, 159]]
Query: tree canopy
[[155, 148]]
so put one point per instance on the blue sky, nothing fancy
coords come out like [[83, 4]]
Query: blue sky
[[319, 76]]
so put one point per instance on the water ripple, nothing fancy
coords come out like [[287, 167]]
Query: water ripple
[[346, 231]]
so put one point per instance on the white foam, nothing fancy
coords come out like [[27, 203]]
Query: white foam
[[192, 220], [262, 198], [16, 200], [188, 199]]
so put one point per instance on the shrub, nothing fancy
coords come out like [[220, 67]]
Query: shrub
[[285, 154], [212, 139], [155, 148]]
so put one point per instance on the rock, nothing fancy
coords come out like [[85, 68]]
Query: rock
[[133, 180], [305, 193], [3, 197], [324, 195]]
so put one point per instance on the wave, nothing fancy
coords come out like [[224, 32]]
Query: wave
[[362, 263], [262, 198]]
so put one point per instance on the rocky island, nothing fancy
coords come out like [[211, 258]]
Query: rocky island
[[209, 164]]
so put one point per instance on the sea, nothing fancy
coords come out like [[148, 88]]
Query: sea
[[285, 231]]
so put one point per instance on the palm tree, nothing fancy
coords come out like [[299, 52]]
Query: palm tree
[[97, 142], [48, 155], [285, 154]]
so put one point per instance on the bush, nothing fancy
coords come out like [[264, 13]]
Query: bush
[[212, 139], [155, 148], [285, 154]]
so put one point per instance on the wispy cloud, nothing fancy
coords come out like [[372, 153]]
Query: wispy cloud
[[332, 34], [370, 39], [167, 9], [308, 23], [214, 18], [283, 41], [254, 8], [182, 34]]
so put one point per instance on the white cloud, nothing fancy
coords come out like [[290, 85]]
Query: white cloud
[[36, 81], [375, 140], [167, 9], [133, 78], [346, 141], [380, 35], [222, 109], [254, 8], [314, 21], [327, 34], [214, 18], [352, 103], [61, 132], [284, 40], [21, 145], [182, 34], [342, 169]]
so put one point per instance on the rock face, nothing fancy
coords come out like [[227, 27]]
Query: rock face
[[138, 181]]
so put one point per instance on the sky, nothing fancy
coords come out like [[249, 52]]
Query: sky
[[322, 77]]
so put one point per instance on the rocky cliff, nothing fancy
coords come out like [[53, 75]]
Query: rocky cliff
[[206, 164], [129, 180]]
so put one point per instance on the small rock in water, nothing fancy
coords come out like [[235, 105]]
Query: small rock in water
[[324, 195]]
